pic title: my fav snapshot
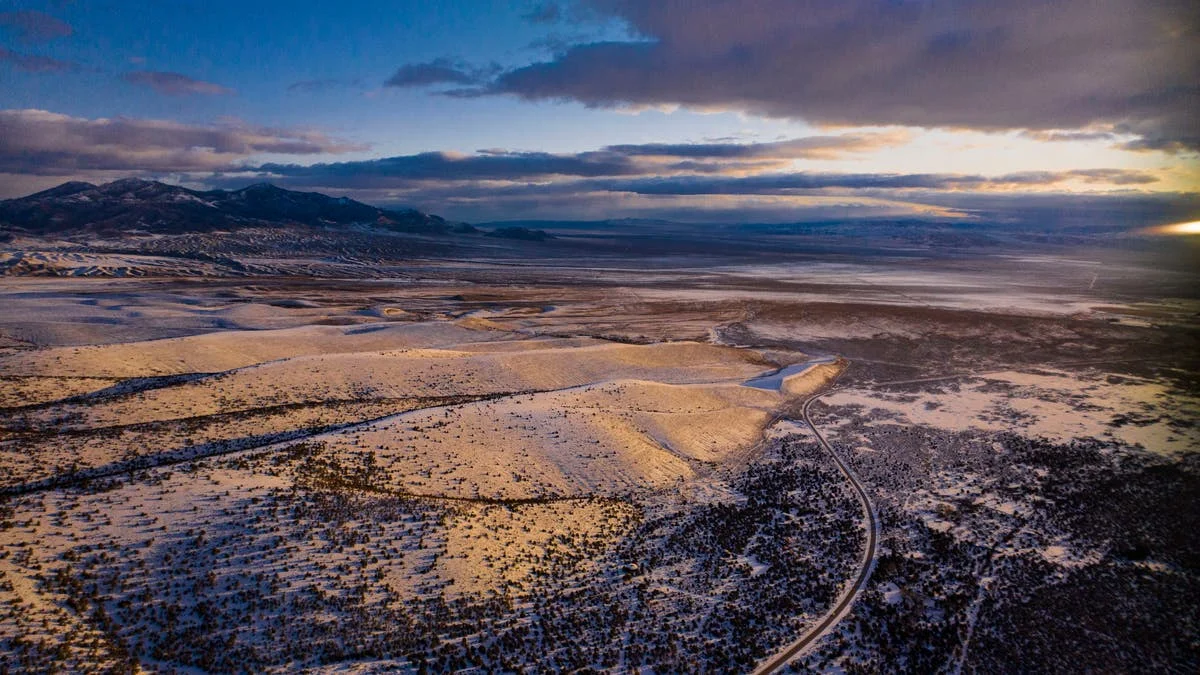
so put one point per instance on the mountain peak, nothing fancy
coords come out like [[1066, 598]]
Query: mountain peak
[[262, 187], [72, 186], [65, 190], [128, 184]]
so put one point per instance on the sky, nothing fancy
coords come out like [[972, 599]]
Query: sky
[[689, 110]]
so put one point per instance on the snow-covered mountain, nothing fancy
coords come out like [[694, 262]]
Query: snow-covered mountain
[[139, 205]]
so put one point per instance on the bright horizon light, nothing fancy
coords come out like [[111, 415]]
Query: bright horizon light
[[1188, 228]]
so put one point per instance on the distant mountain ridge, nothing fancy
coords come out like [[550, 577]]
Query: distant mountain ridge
[[159, 208]]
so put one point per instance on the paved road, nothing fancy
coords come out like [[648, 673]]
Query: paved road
[[848, 596], [842, 606]]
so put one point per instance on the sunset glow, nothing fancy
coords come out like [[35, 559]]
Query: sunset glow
[[1189, 228]]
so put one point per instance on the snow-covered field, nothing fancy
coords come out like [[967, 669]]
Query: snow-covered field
[[1053, 404], [486, 475], [353, 471]]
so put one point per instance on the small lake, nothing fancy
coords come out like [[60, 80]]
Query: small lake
[[773, 381]]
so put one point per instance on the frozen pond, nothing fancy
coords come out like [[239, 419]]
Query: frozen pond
[[774, 381]]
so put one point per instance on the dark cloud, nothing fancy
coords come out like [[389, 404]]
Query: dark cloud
[[1172, 146], [489, 165], [34, 26], [36, 64], [1022, 64], [174, 84], [438, 71], [39, 142], [1140, 143], [722, 166]]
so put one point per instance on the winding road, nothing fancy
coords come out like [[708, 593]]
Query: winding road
[[846, 599], [840, 608]]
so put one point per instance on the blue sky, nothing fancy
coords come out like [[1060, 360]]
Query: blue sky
[[260, 49], [1069, 97]]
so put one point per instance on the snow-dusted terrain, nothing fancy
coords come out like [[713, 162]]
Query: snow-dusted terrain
[[560, 465]]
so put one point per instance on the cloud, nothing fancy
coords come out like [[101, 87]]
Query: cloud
[[174, 84], [34, 26], [1068, 136], [613, 160], [1112, 176], [808, 181], [1022, 64], [713, 181], [36, 64], [669, 169], [690, 182], [1121, 137], [39, 142], [488, 165], [1172, 146], [438, 71], [810, 147]]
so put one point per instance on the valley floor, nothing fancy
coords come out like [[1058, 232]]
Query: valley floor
[[478, 469]]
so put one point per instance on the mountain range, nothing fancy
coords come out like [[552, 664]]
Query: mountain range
[[135, 205]]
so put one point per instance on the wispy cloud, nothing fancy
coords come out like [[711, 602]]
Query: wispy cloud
[[34, 26], [40, 142], [174, 84], [36, 64], [810, 147], [1068, 136]]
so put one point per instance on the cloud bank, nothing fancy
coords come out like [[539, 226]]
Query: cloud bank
[[1128, 65], [174, 84], [707, 182]]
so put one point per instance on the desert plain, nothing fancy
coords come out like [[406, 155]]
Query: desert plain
[[646, 464]]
